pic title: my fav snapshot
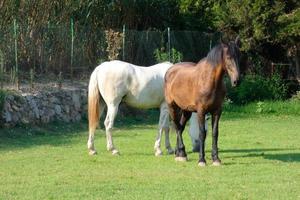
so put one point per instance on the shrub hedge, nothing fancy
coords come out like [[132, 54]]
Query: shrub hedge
[[257, 88]]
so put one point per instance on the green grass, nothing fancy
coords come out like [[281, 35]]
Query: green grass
[[260, 155], [289, 107]]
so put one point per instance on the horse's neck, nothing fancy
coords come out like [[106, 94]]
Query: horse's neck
[[214, 75], [219, 74]]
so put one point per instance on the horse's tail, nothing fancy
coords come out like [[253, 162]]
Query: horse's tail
[[93, 102]]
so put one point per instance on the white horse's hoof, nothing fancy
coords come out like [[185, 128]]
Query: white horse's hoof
[[170, 151], [158, 152], [115, 152], [216, 163], [92, 152], [181, 159], [201, 164]]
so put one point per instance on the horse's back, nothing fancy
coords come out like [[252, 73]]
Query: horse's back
[[138, 86], [147, 89], [185, 70], [113, 79], [191, 86]]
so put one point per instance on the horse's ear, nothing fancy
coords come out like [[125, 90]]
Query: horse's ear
[[237, 41]]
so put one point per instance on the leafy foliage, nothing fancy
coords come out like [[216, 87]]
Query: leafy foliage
[[296, 97], [1, 69], [162, 56], [257, 88], [2, 97], [287, 107], [268, 29], [114, 43]]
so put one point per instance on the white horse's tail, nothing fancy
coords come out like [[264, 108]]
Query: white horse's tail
[[93, 102]]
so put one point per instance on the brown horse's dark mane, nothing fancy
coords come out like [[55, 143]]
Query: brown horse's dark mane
[[214, 56]]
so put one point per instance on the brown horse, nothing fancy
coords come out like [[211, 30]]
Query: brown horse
[[200, 88]]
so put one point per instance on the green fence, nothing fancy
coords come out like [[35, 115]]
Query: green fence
[[71, 50]]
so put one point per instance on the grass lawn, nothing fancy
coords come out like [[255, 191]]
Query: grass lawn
[[260, 155]]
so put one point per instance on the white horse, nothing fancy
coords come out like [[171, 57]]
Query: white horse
[[194, 131], [139, 87]]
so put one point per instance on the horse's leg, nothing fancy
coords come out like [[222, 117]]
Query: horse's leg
[[163, 125], [157, 149], [185, 116], [167, 140], [90, 143], [202, 137], [180, 118], [166, 128], [215, 133], [112, 110], [194, 131], [175, 114], [92, 130]]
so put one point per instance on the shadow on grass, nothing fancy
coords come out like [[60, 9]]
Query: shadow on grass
[[255, 150], [285, 157], [54, 134], [138, 119], [60, 134]]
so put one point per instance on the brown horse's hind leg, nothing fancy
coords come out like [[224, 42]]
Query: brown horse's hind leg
[[180, 118]]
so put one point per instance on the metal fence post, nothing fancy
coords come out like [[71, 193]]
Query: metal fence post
[[123, 50], [72, 47], [1, 68], [210, 43], [169, 45], [16, 70]]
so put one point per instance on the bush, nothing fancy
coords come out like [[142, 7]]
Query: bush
[[161, 56], [287, 107], [296, 97], [257, 88], [2, 96], [277, 87]]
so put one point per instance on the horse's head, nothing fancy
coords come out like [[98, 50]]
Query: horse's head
[[231, 57]]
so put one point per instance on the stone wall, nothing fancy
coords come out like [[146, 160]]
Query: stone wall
[[68, 105]]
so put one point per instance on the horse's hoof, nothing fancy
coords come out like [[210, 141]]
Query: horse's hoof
[[181, 159], [201, 164], [115, 152], [216, 163], [92, 152], [158, 153], [171, 151]]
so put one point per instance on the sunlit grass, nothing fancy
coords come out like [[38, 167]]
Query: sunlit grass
[[260, 155]]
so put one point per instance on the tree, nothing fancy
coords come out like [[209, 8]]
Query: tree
[[269, 29]]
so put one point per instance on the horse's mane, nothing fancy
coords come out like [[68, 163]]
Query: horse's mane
[[214, 56]]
